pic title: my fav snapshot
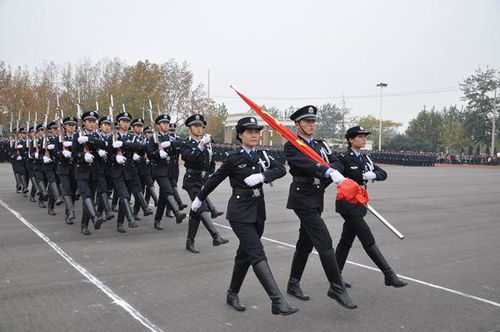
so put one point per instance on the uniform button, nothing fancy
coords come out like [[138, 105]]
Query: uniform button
[[317, 187], [253, 167], [238, 197], [298, 188]]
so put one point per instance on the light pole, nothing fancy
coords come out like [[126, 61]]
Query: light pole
[[381, 85], [493, 123]]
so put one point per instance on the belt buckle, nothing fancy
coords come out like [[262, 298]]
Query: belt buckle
[[316, 181], [203, 173]]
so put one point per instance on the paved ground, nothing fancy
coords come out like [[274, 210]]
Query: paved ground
[[450, 217]]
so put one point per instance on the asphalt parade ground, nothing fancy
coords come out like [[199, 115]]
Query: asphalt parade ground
[[52, 278]]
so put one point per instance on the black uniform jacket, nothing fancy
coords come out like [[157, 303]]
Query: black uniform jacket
[[309, 182], [353, 167], [246, 204]]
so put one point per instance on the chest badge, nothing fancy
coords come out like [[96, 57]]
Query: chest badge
[[354, 167], [242, 165]]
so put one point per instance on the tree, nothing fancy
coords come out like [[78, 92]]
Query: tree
[[329, 121], [477, 89], [215, 116], [452, 134], [372, 124], [426, 126], [406, 143]]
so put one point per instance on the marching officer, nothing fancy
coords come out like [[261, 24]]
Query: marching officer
[[248, 169], [150, 190], [160, 150], [141, 161], [105, 167], [198, 160], [173, 166], [85, 149], [306, 198], [49, 165], [359, 167], [66, 167]]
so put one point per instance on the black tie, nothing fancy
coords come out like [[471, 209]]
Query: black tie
[[252, 153]]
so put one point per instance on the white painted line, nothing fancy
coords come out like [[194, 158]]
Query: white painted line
[[98, 283], [449, 290]]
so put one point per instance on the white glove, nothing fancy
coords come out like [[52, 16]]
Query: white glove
[[36, 155], [120, 159], [337, 178], [89, 158], [50, 147], [136, 157], [369, 175], [254, 179], [20, 146], [163, 154], [102, 153], [46, 160], [83, 139], [165, 144], [206, 138], [66, 154], [196, 204], [19, 158], [67, 144], [117, 144]]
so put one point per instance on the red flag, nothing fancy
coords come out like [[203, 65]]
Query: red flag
[[347, 190]]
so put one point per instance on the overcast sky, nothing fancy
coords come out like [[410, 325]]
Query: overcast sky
[[280, 53]]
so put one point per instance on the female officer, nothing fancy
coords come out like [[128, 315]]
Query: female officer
[[359, 167], [248, 169]]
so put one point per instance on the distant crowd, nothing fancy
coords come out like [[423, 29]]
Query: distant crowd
[[404, 158]]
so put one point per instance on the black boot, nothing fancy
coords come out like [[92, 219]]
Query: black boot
[[337, 289], [150, 192], [41, 201], [114, 202], [33, 192], [178, 199], [127, 211], [280, 304], [120, 220], [70, 209], [213, 210], [192, 229], [139, 198], [51, 206], [43, 190], [341, 254], [56, 194], [157, 225], [217, 239], [19, 186], [239, 273], [179, 216], [90, 209], [85, 221], [24, 182], [105, 204], [390, 278], [298, 264], [137, 208]]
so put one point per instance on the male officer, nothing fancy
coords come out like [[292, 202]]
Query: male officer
[[159, 153], [66, 167], [85, 150], [306, 197]]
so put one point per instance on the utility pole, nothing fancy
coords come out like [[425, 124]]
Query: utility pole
[[381, 85], [493, 123]]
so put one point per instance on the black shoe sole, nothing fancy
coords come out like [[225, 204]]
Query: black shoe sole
[[340, 302], [303, 298]]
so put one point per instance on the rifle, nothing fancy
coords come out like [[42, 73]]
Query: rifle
[[28, 137], [79, 115], [16, 141], [155, 134], [45, 136], [35, 139], [60, 125], [11, 140]]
